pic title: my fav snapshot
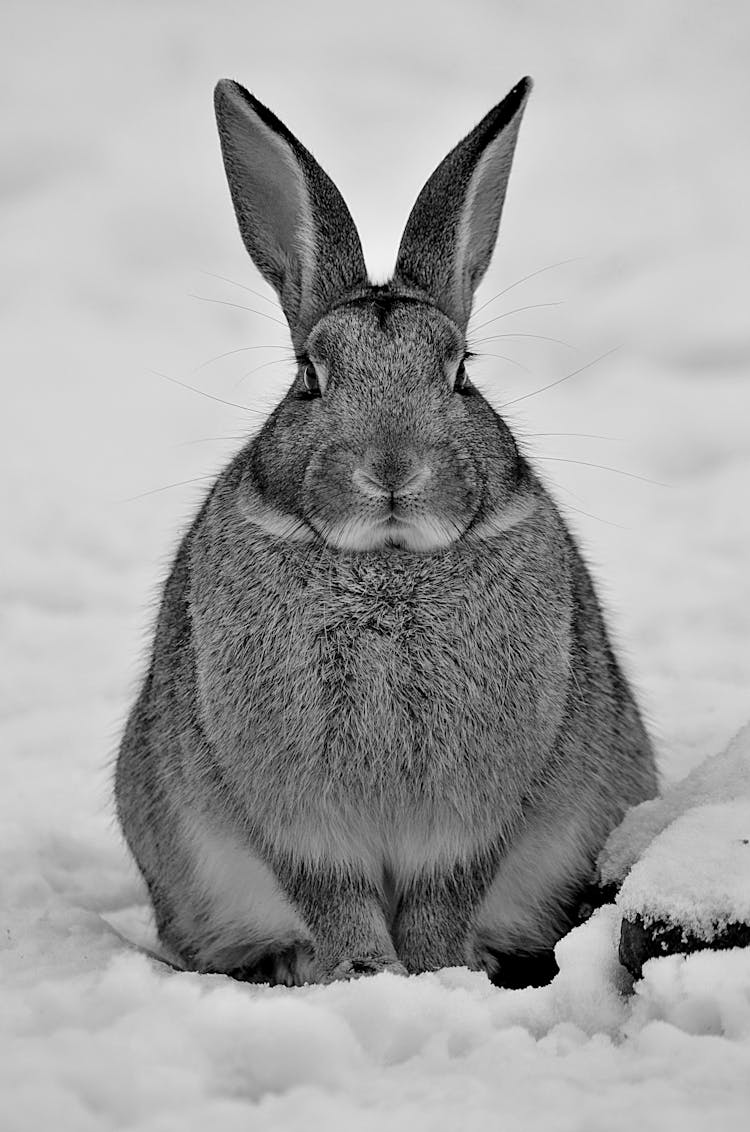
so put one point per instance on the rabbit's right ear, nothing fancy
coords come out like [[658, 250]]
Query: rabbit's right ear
[[292, 218], [451, 232]]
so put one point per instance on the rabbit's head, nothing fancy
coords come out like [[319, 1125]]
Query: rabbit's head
[[382, 441]]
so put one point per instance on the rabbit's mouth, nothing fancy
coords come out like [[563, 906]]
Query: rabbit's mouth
[[397, 528], [394, 497], [407, 534], [424, 534]]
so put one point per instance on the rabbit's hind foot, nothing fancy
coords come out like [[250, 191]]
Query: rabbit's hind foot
[[515, 971]]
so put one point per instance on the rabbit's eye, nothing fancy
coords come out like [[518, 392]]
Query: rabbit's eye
[[310, 380], [459, 382]]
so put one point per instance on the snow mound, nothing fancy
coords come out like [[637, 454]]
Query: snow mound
[[696, 873], [129, 1043], [724, 778], [707, 993]]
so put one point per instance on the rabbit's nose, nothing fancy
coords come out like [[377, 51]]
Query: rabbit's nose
[[414, 482], [398, 485]]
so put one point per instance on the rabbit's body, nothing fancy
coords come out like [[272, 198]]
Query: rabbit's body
[[376, 740]]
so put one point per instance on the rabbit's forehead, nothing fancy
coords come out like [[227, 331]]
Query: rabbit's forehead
[[402, 333]]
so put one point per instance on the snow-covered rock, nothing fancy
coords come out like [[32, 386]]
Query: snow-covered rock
[[696, 873], [682, 863], [723, 778]]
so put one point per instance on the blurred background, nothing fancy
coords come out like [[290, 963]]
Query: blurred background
[[627, 203]]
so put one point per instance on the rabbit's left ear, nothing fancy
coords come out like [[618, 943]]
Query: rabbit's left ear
[[450, 235], [292, 218]]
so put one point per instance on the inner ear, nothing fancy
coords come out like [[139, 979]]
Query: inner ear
[[480, 219], [292, 218], [270, 197], [451, 232]]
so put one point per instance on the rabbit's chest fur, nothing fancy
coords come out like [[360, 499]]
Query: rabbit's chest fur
[[396, 705]]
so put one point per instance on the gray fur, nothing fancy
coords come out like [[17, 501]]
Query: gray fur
[[291, 216], [451, 232], [383, 726]]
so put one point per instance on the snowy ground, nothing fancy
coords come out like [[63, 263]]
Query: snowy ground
[[634, 163]]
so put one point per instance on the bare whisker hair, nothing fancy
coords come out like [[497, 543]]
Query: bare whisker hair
[[603, 468], [242, 350], [519, 310], [502, 358], [169, 487], [525, 278], [238, 306], [272, 362], [514, 334], [580, 436], [560, 380], [200, 392], [258, 294], [209, 440]]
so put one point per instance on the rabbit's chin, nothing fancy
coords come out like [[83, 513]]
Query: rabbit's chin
[[426, 533], [422, 534]]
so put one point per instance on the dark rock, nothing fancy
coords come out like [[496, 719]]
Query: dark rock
[[641, 940]]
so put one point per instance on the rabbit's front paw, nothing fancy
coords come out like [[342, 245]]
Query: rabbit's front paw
[[357, 967], [293, 966]]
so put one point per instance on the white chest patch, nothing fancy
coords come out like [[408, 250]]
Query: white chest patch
[[402, 846]]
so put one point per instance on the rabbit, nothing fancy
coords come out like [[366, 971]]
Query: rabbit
[[383, 727]]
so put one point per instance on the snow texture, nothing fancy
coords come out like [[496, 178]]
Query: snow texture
[[725, 778], [696, 874], [685, 857], [630, 176]]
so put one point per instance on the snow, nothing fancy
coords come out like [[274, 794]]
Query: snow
[[633, 162], [697, 873], [724, 778], [684, 857]]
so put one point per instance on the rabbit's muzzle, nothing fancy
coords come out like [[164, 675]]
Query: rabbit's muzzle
[[392, 498], [391, 487]]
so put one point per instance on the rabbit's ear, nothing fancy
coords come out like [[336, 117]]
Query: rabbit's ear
[[451, 232], [292, 218]]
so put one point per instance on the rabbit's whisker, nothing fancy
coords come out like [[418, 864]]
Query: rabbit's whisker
[[168, 487], [258, 294], [518, 310], [241, 350], [560, 380], [504, 358], [588, 514], [272, 362], [206, 440], [201, 392], [525, 278], [603, 468], [578, 435], [514, 334], [238, 306]]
